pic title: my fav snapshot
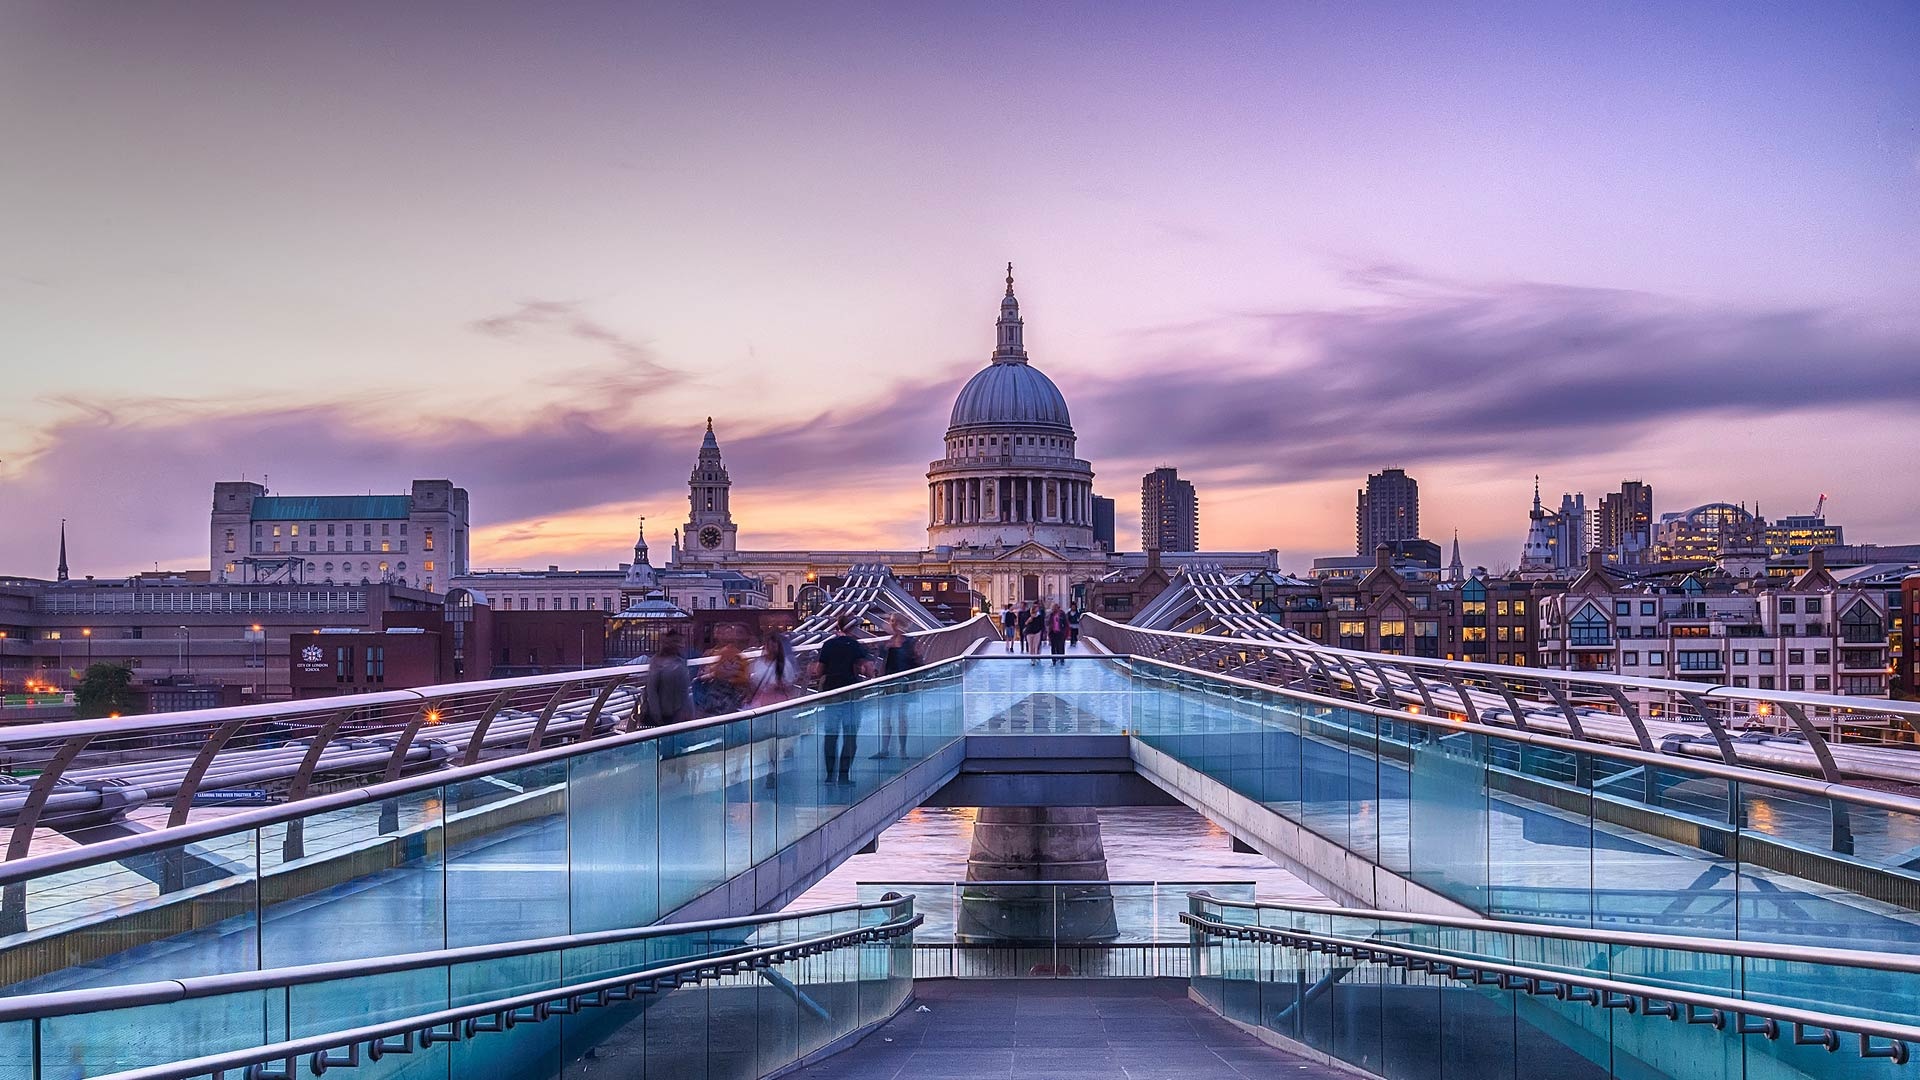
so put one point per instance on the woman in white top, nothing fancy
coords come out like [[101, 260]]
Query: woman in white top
[[775, 678]]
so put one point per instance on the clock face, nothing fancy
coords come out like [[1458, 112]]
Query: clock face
[[710, 536]]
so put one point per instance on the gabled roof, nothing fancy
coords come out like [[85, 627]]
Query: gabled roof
[[1027, 552]]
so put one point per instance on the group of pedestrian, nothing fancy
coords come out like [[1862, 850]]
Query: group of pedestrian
[[674, 695], [1027, 626]]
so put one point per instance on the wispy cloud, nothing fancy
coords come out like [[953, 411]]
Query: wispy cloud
[[1430, 373], [1435, 371]]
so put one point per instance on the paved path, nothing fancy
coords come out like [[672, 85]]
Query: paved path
[[1140, 1029]]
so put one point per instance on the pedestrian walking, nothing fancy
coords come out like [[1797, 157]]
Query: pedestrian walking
[[725, 685], [668, 696], [1035, 625], [843, 661], [900, 656], [1073, 623], [1009, 629], [775, 679], [1057, 633]]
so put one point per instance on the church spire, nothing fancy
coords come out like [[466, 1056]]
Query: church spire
[[61, 574], [1008, 347], [1456, 570]]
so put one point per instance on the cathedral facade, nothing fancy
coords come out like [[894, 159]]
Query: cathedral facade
[[1009, 505]]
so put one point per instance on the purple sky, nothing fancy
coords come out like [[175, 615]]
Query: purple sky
[[1277, 246]]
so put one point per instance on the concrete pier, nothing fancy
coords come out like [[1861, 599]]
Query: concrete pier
[[1037, 844]]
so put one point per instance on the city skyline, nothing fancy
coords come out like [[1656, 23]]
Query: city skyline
[[1688, 267]]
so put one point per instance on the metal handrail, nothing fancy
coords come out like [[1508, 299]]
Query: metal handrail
[[1736, 771], [1596, 991], [32, 866], [1838, 790], [99, 999], [1905, 963], [1451, 677], [500, 1014]]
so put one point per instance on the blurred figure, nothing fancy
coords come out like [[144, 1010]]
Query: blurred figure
[[774, 679], [1073, 623], [668, 695], [900, 656], [725, 685], [843, 661], [1057, 633], [1009, 630], [1031, 629]]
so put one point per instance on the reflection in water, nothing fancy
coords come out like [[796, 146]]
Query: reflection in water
[[1157, 843]]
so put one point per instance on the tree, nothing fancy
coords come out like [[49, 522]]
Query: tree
[[104, 690]]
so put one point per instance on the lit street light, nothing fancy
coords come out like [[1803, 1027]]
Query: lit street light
[[87, 632]]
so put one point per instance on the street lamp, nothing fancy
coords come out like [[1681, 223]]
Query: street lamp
[[186, 651], [87, 632]]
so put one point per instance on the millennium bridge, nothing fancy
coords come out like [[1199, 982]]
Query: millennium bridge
[[1529, 872]]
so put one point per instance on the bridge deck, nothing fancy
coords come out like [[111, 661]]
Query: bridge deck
[[1060, 1030]]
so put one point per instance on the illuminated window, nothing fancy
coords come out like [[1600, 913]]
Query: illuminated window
[[429, 540], [230, 544], [429, 566], [293, 530], [386, 546]]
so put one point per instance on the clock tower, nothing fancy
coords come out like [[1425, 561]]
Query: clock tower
[[709, 520]]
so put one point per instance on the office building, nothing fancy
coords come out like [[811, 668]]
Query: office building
[[1169, 512], [1103, 523], [1623, 525], [1388, 510], [417, 540]]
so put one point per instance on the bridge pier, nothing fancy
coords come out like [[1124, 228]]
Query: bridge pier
[[1037, 844]]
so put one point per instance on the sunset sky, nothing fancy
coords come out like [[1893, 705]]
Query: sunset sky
[[530, 248]]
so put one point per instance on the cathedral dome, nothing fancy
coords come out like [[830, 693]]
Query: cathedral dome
[[1010, 392]]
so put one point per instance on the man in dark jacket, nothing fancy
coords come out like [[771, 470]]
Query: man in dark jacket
[[843, 661], [1057, 634]]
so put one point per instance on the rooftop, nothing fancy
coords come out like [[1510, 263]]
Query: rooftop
[[331, 507]]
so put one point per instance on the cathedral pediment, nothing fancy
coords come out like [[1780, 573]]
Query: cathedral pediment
[[1030, 551]]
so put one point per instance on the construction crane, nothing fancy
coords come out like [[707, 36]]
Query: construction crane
[[1820, 505]]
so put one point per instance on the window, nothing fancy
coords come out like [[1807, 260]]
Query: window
[[1812, 606], [1696, 660], [1739, 682], [377, 663], [606, 603], [1520, 633], [276, 530], [1823, 656], [1786, 605], [366, 529], [1353, 634], [1623, 607], [1692, 631], [1766, 656], [386, 546], [573, 603], [1823, 682], [329, 530], [1473, 633], [1657, 659], [230, 542], [429, 566], [256, 532], [1501, 634], [403, 528], [386, 529], [1796, 682], [1649, 607], [1589, 627], [343, 663], [1501, 607], [1859, 626], [1789, 630], [1630, 658], [1740, 656], [1796, 656], [1766, 682], [293, 530]]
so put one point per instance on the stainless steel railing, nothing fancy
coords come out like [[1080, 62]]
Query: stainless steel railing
[[79, 780], [1776, 730]]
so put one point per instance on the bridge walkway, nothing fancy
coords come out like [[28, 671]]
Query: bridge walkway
[[1024, 1029]]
